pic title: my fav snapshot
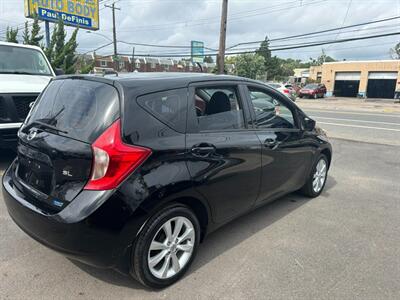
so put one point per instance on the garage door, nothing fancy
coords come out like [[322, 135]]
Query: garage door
[[347, 84], [381, 84]]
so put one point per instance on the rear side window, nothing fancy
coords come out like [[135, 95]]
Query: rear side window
[[82, 109], [168, 106]]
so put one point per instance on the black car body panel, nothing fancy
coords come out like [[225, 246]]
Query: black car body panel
[[218, 174]]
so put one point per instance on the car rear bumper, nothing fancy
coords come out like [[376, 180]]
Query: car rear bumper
[[87, 240]]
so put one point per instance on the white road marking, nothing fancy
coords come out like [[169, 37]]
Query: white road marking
[[354, 120], [351, 113], [359, 126]]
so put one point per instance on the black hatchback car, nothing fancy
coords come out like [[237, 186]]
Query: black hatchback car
[[131, 173]]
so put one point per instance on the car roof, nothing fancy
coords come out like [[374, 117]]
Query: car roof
[[20, 46], [158, 80]]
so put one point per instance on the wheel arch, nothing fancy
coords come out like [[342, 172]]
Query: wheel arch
[[328, 153], [197, 205]]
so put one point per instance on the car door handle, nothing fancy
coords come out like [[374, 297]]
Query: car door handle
[[270, 142], [203, 149]]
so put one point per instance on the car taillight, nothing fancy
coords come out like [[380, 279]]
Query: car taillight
[[113, 160], [286, 91]]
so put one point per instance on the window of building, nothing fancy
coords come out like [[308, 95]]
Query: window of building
[[121, 64], [103, 63], [270, 112], [218, 108]]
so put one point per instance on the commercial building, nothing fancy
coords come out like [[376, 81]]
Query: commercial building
[[370, 79]]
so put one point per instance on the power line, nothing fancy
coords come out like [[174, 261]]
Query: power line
[[317, 32], [277, 39], [319, 43], [239, 15]]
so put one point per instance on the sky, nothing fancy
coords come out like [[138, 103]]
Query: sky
[[177, 22]]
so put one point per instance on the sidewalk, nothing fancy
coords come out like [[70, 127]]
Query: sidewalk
[[351, 104]]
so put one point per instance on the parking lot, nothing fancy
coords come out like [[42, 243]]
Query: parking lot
[[344, 244]]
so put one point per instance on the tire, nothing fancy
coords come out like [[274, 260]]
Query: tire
[[301, 96], [309, 189], [153, 231]]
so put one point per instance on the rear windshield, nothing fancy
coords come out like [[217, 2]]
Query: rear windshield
[[80, 109]]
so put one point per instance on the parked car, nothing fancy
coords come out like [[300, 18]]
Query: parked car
[[283, 89], [293, 87], [313, 90], [132, 173], [24, 73]]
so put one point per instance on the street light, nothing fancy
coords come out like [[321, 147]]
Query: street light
[[99, 34]]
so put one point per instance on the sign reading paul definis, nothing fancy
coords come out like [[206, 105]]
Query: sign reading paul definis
[[78, 13]]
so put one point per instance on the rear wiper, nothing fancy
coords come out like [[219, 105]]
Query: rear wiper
[[45, 125]]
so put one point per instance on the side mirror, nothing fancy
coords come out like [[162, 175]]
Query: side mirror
[[59, 72], [309, 124]]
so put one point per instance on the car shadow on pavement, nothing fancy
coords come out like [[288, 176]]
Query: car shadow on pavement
[[225, 238], [110, 276]]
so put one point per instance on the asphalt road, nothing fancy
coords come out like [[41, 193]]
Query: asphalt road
[[381, 128], [344, 244], [376, 122]]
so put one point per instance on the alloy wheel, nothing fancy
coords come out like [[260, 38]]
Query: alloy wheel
[[319, 176], [171, 248]]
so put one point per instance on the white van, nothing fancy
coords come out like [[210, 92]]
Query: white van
[[24, 73]]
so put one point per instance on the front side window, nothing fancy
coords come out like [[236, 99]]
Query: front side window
[[270, 111], [218, 108], [18, 60]]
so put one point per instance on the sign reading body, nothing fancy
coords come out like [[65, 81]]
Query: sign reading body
[[78, 13], [197, 49]]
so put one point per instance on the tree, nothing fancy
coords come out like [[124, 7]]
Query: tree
[[250, 65], [49, 51], [395, 52], [321, 59], [62, 55], [208, 59], [59, 44], [35, 37], [11, 35], [26, 36], [85, 66], [264, 50], [70, 57]]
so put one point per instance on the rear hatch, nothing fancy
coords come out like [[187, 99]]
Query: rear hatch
[[54, 151]]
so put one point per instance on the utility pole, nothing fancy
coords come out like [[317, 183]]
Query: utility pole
[[222, 38], [47, 29], [113, 8]]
